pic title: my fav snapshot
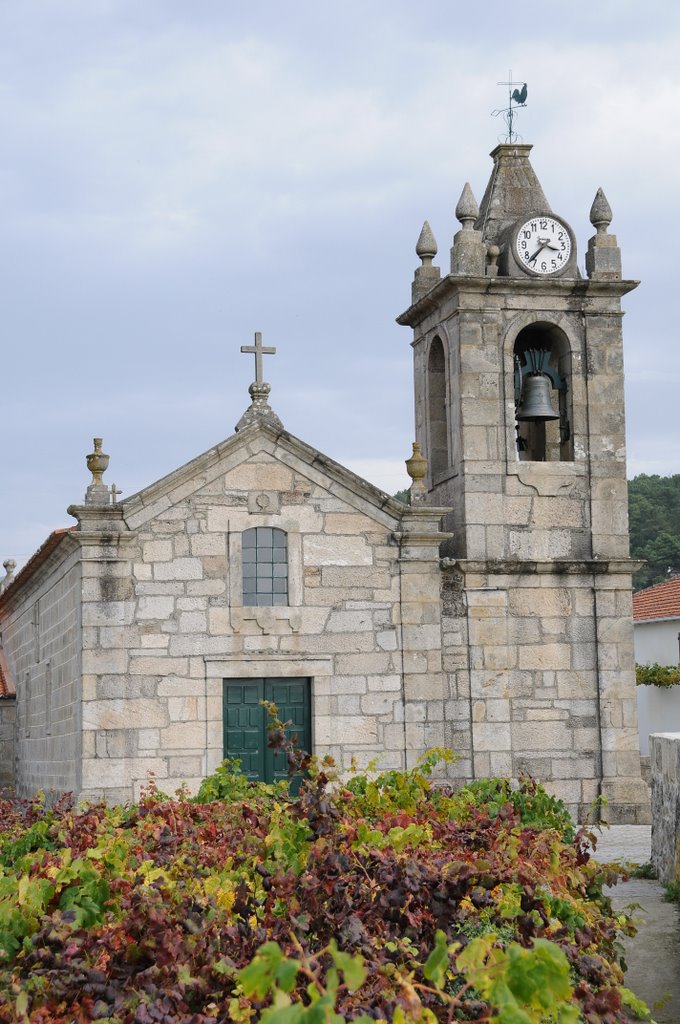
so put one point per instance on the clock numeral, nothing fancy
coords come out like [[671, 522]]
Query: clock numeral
[[526, 255], [523, 244], [544, 265], [543, 224], [553, 264], [560, 236], [527, 234], [560, 257]]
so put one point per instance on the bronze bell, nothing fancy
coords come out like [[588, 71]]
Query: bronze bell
[[536, 404]]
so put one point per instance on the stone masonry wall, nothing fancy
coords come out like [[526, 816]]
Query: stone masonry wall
[[8, 716], [665, 758], [158, 653], [41, 639], [533, 692]]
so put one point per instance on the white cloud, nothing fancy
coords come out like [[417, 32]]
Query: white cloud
[[175, 176]]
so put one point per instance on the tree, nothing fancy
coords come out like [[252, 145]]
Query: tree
[[654, 514]]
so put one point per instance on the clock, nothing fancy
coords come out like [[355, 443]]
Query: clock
[[542, 245]]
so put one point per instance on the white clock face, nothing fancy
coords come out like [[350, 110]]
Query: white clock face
[[543, 245]]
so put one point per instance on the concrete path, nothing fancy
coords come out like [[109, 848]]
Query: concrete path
[[653, 956]]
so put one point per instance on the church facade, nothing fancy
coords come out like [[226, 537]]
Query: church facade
[[491, 615]]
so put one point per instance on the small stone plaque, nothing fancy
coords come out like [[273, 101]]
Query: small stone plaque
[[264, 502]]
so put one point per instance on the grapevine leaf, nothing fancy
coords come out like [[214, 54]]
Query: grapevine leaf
[[437, 962], [286, 974]]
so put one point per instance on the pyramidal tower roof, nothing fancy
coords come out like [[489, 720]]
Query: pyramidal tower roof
[[513, 192]]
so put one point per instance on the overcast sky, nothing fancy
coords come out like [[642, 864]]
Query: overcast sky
[[177, 174]]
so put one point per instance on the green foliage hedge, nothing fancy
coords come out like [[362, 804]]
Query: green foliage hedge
[[657, 675], [382, 899]]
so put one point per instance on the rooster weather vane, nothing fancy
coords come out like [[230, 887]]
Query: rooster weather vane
[[519, 96]]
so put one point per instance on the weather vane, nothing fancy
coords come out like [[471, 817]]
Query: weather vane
[[519, 95]]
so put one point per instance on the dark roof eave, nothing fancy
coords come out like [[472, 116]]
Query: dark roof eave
[[37, 559]]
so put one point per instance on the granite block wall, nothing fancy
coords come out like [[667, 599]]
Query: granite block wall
[[41, 639], [665, 760], [7, 743]]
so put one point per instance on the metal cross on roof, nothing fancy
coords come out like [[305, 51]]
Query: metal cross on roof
[[258, 350]]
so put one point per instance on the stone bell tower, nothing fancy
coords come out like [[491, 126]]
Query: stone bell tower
[[518, 370]]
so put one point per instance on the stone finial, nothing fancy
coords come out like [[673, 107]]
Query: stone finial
[[426, 276], [416, 467], [600, 212], [467, 210], [97, 462], [603, 258], [259, 410], [9, 566], [492, 253], [426, 246], [468, 257]]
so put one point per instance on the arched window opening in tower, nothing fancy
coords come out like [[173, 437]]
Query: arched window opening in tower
[[543, 394], [438, 432]]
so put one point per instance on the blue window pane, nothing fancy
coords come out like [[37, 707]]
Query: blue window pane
[[280, 571], [250, 539], [278, 599], [249, 570], [264, 536], [249, 555], [280, 586], [279, 538]]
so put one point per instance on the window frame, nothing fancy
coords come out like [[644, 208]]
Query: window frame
[[265, 572]]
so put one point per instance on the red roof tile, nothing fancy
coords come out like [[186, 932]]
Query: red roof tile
[[662, 601]]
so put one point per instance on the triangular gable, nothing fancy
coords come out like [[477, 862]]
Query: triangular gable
[[320, 469]]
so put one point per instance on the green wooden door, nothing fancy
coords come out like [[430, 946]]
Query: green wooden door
[[245, 723]]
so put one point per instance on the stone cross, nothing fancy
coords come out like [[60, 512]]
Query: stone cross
[[258, 350]]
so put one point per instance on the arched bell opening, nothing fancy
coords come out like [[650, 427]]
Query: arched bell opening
[[438, 446], [542, 379]]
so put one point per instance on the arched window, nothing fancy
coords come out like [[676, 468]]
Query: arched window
[[542, 365], [438, 447], [265, 566]]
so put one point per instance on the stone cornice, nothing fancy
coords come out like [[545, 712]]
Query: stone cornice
[[421, 526], [581, 288], [106, 519], [556, 567]]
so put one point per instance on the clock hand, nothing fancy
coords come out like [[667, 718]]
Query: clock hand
[[544, 242]]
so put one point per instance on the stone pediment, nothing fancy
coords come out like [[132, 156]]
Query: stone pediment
[[258, 449]]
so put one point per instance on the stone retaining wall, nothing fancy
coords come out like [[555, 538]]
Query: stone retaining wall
[[665, 755]]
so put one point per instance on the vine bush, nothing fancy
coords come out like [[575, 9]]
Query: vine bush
[[384, 899]]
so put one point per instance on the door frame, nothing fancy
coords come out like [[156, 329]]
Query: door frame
[[269, 762], [218, 667]]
